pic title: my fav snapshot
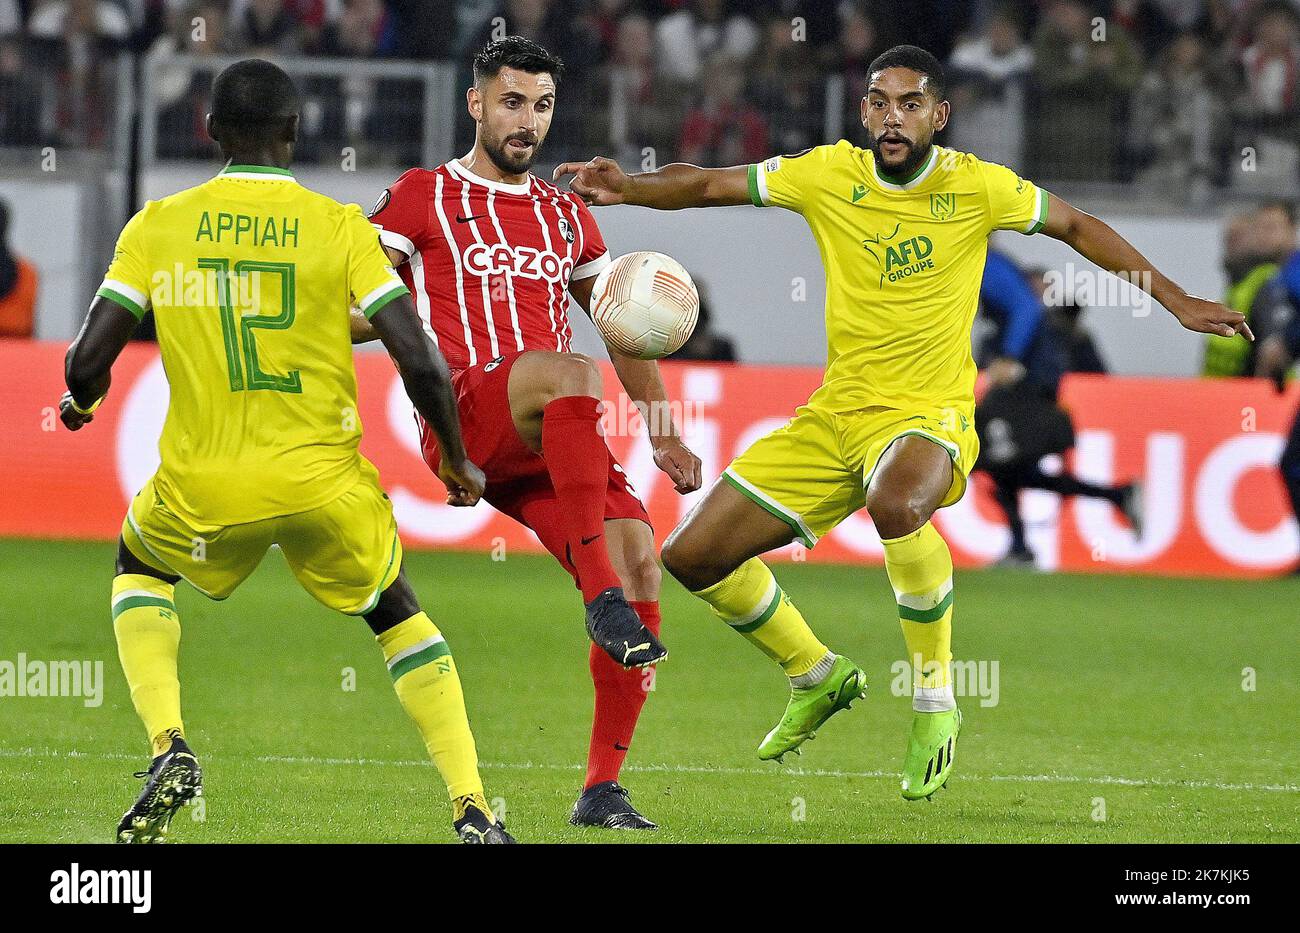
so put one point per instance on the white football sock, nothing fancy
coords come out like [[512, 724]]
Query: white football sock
[[820, 671]]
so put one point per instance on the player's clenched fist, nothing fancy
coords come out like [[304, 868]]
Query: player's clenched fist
[[464, 482], [600, 181], [72, 417], [683, 467]]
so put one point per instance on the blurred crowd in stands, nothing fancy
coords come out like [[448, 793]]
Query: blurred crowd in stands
[[1178, 95]]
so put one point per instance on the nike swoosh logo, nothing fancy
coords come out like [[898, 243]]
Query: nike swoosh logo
[[589, 540], [621, 748], [641, 647], [465, 220]]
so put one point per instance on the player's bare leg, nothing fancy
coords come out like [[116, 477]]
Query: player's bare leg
[[714, 554], [147, 630], [724, 530], [425, 679], [555, 404], [631, 545], [910, 483], [912, 478]]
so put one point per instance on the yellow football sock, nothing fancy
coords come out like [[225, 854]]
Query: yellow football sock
[[753, 604], [424, 676], [920, 571], [148, 641]]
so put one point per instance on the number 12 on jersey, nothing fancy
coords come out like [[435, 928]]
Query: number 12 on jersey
[[237, 332]]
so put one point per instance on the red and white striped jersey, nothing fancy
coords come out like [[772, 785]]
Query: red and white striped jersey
[[489, 263]]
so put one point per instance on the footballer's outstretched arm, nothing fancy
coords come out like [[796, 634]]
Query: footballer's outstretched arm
[[673, 187], [1094, 239], [645, 387], [87, 368], [428, 383]]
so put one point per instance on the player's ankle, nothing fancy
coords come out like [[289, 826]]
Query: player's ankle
[[164, 741], [933, 699], [817, 673]]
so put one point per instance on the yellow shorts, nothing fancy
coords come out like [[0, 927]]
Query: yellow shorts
[[814, 472], [344, 553]]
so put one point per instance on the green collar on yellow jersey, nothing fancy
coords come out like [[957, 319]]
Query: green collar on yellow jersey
[[258, 172], [911, 181]]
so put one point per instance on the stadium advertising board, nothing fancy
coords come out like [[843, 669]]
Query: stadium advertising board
[[1204, 449]]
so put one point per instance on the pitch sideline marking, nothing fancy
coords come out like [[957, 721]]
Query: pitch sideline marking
[[685, 769]]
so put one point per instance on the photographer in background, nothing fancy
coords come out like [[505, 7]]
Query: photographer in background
[[1018, 420], [17, 286], [1254, 244]]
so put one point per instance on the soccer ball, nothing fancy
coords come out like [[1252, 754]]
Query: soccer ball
[[645, 305]]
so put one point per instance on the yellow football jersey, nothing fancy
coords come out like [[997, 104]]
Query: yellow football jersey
[[250, 277], [903, 266]]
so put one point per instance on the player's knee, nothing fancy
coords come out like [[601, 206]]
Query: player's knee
[[676, 563], [642, 577], [575, 374], [396, 604], [896, 515], [689, 565]]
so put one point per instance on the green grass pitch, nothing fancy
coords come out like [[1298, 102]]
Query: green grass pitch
[[1121, 713]]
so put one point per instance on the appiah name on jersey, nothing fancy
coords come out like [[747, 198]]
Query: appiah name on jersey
[[247, 229], [903, 260]]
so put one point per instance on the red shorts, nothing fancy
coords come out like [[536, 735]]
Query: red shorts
[[518, 483]]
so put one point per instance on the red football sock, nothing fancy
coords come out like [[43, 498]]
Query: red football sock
[[578, 462], [620, 694]]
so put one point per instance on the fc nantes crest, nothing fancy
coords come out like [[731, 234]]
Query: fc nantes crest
[[943, 206]]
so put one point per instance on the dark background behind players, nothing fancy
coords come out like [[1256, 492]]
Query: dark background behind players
[[705, 343]]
